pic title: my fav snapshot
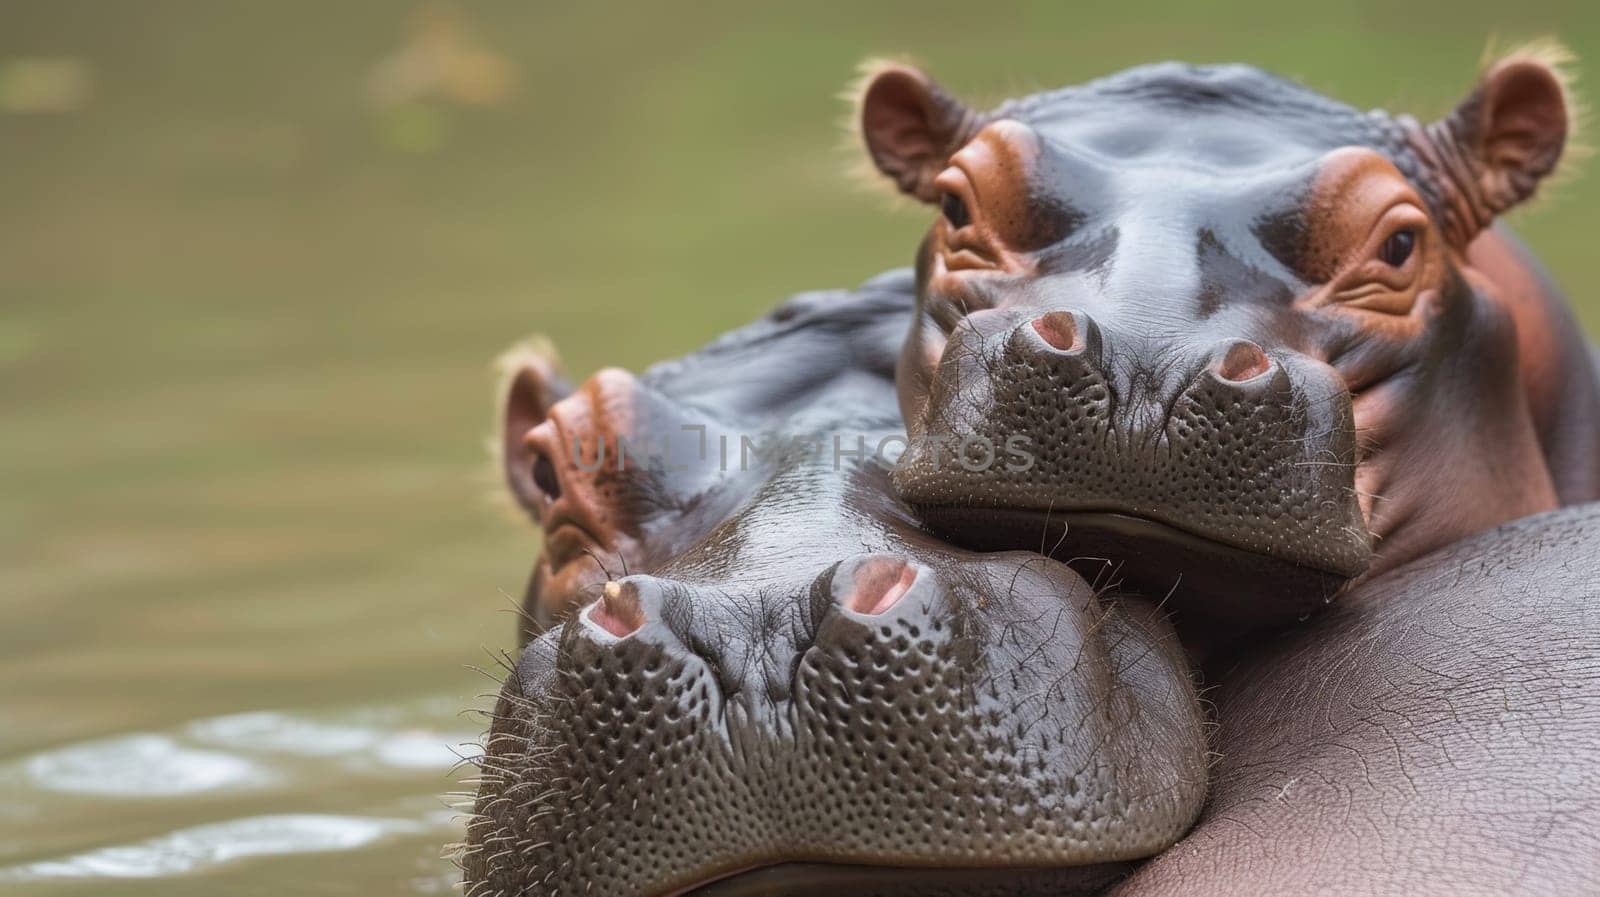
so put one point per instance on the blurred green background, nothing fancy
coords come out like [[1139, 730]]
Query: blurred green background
[[255, 260]]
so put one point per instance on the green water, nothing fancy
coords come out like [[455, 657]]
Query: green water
[[254, 263]]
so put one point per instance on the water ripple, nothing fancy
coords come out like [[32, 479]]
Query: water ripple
[[271, 769], [206, 846], [142, 765]]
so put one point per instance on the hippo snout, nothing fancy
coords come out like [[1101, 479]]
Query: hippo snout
[[932, 724], [1234, 460]]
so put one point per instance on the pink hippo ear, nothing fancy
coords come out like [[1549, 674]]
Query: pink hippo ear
[[911, 127], [530, 385], [1496, 147]]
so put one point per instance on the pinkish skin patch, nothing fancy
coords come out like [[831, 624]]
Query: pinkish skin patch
[[1058, 329], [1244, 361], [879, 583], [617, 611]]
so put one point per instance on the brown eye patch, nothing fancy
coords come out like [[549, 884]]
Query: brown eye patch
[[1003, 184], [1364, 235]]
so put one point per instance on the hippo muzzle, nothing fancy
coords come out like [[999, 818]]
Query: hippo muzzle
[[940, 726], [1221, 465]]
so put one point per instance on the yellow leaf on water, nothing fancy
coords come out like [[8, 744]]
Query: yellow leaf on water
[[442, 60]]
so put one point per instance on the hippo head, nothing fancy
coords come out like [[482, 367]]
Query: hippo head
[[802, 692], [624, 473], [1212, 324], [578, 462]]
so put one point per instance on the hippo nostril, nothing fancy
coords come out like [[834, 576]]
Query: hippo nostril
[[1243, 361], [1059, 329], [618, 611], [878, 583], [544, 477]]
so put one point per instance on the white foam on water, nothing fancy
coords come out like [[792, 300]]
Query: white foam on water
[[274, 732], [207, 846], [421, 750], [247, 755], [362, 746], [143, 765], [233, 752]]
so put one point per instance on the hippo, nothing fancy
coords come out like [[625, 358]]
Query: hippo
[[1259, 344], [784, 684], [808, 663]]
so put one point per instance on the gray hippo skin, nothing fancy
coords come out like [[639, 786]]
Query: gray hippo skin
[[1437, 732], [810, 695]]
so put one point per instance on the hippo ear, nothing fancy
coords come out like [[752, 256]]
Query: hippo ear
[[1508, 135], [530, 384], [910, 126]]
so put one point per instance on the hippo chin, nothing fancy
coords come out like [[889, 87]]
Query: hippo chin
[[815, 697], [1255, 343]]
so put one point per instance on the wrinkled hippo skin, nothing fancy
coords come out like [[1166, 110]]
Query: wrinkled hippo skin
[[1438, 732]]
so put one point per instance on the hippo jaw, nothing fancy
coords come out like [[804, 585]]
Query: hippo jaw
[[834, 880], [894, 726], [1118, 550]]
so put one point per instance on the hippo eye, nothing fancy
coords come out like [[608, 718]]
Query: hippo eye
[[1397, 248], [955, 211], [544, 477]]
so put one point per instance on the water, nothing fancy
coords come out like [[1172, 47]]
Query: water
[[236, 776], [242, 800]]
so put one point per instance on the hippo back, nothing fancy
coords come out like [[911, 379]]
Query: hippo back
[[1454, 743]]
